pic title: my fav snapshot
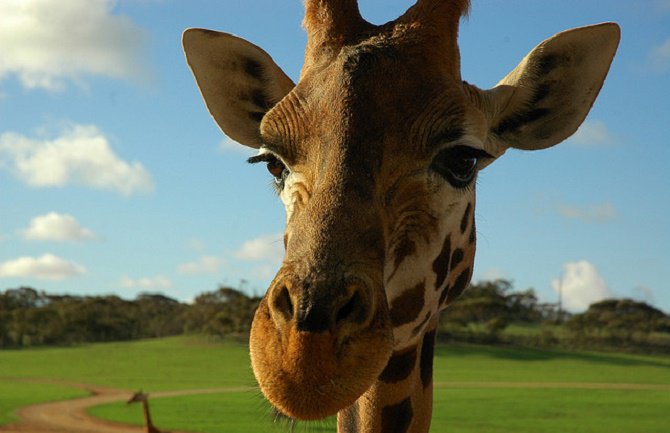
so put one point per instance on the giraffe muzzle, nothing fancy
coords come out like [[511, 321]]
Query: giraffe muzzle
[[305, 324]]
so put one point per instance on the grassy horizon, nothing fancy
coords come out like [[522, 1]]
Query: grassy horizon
[[183, 363]]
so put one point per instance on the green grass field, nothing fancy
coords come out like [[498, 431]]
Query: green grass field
[[489, 389], [157, 365], [14, 395]]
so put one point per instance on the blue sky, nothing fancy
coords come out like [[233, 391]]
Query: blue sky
[[114, 179]]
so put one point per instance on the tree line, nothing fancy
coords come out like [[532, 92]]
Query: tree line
[[487, 312], [29, 317]]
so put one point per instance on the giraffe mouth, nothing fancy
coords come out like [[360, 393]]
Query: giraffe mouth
[[308, 375]]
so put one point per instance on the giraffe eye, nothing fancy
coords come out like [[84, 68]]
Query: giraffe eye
[[458, 164], [278, 170], [275, 166]]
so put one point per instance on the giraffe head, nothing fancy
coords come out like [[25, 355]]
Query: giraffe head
[[138, 397], [375, 152]]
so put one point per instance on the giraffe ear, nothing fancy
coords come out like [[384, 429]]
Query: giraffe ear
[[548, 95], [238, 80]]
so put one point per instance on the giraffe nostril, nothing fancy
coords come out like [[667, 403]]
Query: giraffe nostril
[[315, 309], [283, 304]]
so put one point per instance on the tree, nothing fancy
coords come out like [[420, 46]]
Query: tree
[[29, 317], [524, 307], [158, 315], [618, 319], [482, 311], [223, 312]]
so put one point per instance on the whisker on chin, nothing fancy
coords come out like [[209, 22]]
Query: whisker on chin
[[279, 417]]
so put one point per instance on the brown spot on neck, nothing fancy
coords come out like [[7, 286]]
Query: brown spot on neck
[[466, 218], [456, 258], [426, 362], [407, 307], [400, 366], [441, 263], [398, 417], [459, 285]]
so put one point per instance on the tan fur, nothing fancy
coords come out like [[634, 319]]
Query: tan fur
[[370, 222], [382, 395], [330, 25]]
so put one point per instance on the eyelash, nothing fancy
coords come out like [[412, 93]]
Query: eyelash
[[458, 165], [275, 166]]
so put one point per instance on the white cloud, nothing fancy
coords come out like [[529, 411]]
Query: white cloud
[[659, 58], [81, 155], [146, 283], [46, 43], [492, 274], [46, 267], [228, 145], [268, 247], [56, 227], [580, 286], [204, 265], [594, 213], [592, 133]]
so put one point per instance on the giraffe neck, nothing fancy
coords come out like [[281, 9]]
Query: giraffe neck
[[148, 425], [401, 400]]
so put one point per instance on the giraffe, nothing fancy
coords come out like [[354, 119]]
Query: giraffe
[[141, 397], [375, 153]]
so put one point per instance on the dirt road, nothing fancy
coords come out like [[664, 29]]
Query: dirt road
[[69, 416]]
